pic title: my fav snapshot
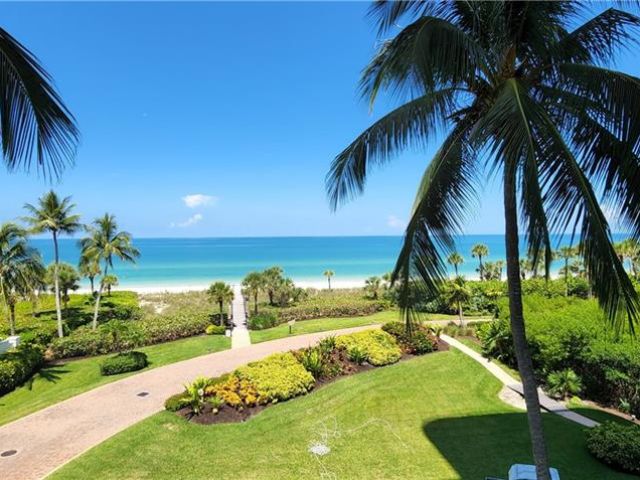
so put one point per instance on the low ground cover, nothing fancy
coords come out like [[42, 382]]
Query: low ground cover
[[433, 417], [57, 382]]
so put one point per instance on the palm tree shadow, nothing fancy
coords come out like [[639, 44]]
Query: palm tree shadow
[[51, 373], [486, 446]]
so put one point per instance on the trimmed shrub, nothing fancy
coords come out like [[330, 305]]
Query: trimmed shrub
[[616, 445], [420, 341], [124, 362], [16, 366], [380, 347], [215, 330], [263, 320], [277, 377], [177, 402]]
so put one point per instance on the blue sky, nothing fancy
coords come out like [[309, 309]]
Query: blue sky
[[243, 104]]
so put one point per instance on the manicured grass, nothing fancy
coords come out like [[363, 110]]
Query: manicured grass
[[59, 382], [476, 347], [435, 417], [321, 325]]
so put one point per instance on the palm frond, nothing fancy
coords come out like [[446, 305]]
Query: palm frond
[[35, 125], [410, 125]]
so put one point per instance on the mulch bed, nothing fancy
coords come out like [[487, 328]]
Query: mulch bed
[[338, 359]]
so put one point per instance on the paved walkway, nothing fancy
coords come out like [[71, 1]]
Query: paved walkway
[[240, 335], [48, 439], [545, 402]]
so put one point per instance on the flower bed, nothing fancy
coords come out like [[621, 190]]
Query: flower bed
[[236, 396]]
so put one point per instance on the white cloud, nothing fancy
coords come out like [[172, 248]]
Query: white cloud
[[395, 222], [192, 220], [199, 200]]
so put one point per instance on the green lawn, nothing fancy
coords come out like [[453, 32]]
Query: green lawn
[[56, 383], [326, 324], [435, 417]]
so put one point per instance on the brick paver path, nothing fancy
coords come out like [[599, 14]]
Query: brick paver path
[[48, 439]]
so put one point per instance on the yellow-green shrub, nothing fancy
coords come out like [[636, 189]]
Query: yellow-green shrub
[[277, 377], [379, 347]]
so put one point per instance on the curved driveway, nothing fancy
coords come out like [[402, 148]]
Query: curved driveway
[[49, 438]]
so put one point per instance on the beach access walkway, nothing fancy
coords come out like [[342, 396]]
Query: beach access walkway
[[36, 445], [240, 334]]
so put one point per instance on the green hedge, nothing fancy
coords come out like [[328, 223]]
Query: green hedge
[[150, 330], [616, 445], [17, 365], [124, 362], [420, 341], [570, 333]]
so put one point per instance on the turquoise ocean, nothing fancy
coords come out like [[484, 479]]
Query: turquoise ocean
[[176, 262]]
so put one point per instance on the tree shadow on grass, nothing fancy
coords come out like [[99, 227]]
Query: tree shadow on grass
[[488, 445], [51, 373]]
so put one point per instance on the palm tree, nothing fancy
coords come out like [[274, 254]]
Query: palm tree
[[525, 267], [329, 274], [372, 286], [220, 293], [21, 268], [53, 215], [514, 91], [566, 253], [90, 269], [272, 279], [108, 282], [478, 251], [455, 259], [456, 294], [253, 283], [104, 242], [68, 279], [36, 125]]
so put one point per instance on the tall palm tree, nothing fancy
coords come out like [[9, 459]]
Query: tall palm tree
[[104, 242], [253, 284], [53, 215], [456, 294], [90, 269], [21, 268], [329, 274], [455, 259], [220, 293], [566, 253], [516, 92], [372, 286], [478, 251], [272, 280], [36, 125]]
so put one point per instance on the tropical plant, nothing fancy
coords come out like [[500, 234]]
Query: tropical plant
[[329, 274], [628, 250], [68, 279], [566, 253], [36, 125], [480, 250], [272, 278], [21, 268], [564, 383], [253, 284], [456, 294], [372, 287], [90, 269], [104, 242], [220, 293], [53, 215], [518, 90], [455, 259], [108, 282]]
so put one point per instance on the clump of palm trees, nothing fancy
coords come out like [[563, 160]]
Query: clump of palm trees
[[222, 294], [280, 290], [519, 93], [22, 273]]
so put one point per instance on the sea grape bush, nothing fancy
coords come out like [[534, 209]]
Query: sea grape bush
[[616, 445]]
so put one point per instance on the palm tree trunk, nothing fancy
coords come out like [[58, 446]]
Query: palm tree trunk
[[255, 303], [329, 280], [525, 365], [221, 311], [460, 314], [98, 297], [481, 268], [56, 284], [93, 290], [455, 267], [566, 277]]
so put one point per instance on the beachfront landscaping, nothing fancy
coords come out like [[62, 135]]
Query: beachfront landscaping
[[64, 379], [436, 416]]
